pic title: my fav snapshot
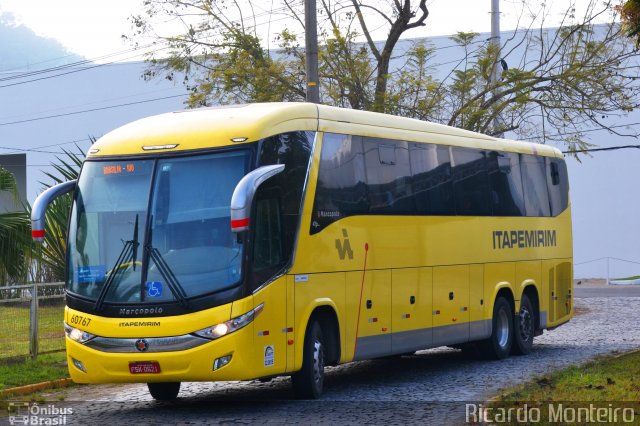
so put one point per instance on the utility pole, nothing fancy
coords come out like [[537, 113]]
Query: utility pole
[[495, 40], [311, 51]]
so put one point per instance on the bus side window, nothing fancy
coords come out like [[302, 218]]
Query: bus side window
[[507, 195], [292, 149], [341, 190], [470, 182], [557, 185], [267, 247], [536, 197], [388, 176], [431, 179]]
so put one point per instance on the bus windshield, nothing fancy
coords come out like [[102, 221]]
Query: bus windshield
[[149, 231]]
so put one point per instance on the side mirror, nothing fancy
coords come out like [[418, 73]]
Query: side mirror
[[40, 207], [245, 191]]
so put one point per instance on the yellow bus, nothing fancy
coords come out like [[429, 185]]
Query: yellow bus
[[260, 240]]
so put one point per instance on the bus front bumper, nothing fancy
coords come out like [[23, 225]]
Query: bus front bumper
[[194, 364]]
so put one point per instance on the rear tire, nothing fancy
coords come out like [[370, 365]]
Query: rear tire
[[524, 327], [498, 346], [309, 381], [166, 391]]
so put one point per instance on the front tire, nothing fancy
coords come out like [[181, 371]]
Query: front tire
[[166, 391], [524, 328], [498, 346], [309, 381]]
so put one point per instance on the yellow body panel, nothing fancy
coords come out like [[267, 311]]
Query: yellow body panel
[[412, 303], [450, 295], [313, 291], [477, 305], [403, 275]]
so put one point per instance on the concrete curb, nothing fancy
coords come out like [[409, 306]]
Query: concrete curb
[[36, 387]]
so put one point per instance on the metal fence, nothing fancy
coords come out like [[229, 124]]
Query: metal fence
[[31, 319]]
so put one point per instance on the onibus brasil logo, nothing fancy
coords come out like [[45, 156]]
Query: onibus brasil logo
[[27, 413]]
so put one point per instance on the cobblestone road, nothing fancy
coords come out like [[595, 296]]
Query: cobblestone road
[[430, 387]]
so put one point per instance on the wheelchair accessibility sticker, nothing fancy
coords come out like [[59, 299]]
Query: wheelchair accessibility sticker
[[154, 289], [268, 356]]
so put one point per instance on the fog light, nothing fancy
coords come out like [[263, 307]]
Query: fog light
[[79, 365], [221, 362]]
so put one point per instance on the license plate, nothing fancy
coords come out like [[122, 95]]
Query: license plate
[[151, 367]]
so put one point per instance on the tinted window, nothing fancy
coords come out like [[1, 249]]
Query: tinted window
[[294, 151], [507, 196], [341, 187], [388, 176], [557, 184], [470, 182], [536, 199], [432, 185], [268, 234], [364, 175]]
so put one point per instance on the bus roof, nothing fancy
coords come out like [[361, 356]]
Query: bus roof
[[232, 125]]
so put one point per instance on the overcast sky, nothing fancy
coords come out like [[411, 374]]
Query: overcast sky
[[93, 28]]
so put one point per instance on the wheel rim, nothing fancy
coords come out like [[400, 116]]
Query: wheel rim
[[318, 363], [525, 323], [503, 329]]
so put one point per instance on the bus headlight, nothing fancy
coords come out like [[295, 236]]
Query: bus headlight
[[76, 334], [234, 324]]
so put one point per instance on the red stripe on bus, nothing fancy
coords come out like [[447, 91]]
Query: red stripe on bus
[[364, 270], [239, 223]]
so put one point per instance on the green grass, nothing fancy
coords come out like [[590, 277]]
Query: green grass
[[14, 329], [613, 379], [635, 277], [29, 371]]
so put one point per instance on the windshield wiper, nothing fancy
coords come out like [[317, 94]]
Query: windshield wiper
[[130, 248], [166, 272], [135, 244]]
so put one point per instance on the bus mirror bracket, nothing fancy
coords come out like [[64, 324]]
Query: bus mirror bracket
[[40, 207], [242, 197]]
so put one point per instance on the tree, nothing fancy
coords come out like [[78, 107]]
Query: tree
[[558, 85], [630, 17], [228, 62]]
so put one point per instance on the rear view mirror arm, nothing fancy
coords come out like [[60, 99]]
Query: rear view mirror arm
[[242, 197], [40, 207]]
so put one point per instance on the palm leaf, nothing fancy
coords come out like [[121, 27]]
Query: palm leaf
[[14, 228]]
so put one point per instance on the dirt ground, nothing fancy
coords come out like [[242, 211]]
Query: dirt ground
[[590, 282]]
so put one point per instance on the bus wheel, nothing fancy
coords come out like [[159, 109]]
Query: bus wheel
[[498, 346], [524, 327], [308, 382], [164, 391]]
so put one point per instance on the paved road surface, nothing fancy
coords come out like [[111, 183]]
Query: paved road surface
[[430, 387], [608, 291]]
